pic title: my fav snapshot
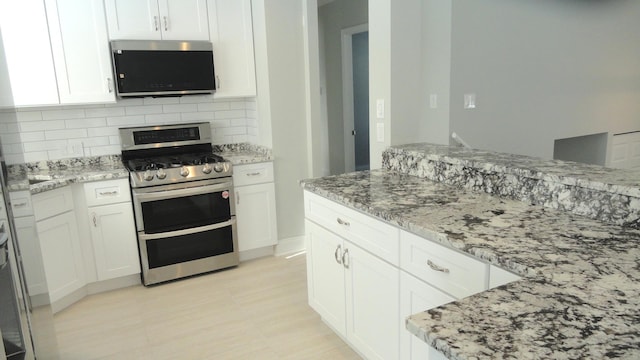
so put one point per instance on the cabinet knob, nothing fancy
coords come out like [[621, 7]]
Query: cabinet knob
[[155, 23], [109, 85], [166, 23], [218, 82], [95, 220]]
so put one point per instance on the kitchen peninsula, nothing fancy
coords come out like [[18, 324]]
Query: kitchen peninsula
[[569, 230]]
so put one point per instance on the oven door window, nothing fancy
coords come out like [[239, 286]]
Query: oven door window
[[185, 212], [183, 248]]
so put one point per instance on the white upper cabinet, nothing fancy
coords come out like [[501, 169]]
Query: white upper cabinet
[[28, 52], [80, 46], [231, 28], [157, 19], [57, 51]]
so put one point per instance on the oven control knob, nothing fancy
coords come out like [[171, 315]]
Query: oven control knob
[[218, 167], [148, 175], [161, 174], [206, 168], [184, 171]]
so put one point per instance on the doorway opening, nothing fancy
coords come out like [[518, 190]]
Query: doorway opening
[[355, 81]]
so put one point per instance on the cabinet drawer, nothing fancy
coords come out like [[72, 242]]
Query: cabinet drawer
[[252, 174], [371, 234], [450, 271], [21, 203], [51, 203], [107, 192]]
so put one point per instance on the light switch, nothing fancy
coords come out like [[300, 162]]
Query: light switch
[[469, 101], [380, 109], [380, 132]]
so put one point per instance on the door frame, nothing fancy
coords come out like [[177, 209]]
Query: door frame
[[348, 119]]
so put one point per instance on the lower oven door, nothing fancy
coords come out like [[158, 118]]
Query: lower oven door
[[176, 254]]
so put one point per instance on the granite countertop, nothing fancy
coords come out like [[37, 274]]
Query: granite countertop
[[243, 153], [43, 176], [580, 292]]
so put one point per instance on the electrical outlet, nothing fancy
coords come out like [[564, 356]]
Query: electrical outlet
[[75, 148]]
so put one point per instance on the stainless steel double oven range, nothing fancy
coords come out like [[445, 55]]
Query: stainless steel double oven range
[[182, 200]]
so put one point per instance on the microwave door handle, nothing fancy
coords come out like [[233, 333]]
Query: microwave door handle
[[169, 194], [187, 231]]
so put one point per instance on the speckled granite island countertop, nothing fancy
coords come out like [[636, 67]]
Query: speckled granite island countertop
[[580, 292]]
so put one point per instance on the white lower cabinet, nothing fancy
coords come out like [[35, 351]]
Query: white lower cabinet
[[114, 240], [112, 228], [61, 254], [31, 255], [366, 277], [416, 296], [255, 198], [355, 292]]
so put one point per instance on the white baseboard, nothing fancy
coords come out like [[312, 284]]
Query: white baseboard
[[290, 245], [256, 253], [90, 289]]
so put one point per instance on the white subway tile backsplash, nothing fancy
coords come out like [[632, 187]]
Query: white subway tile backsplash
[[143, 110], [161, 118], [198, 116], [103, 131], [29, 115], [213, 106], [179, 108], [126, 121], [160, 100], [65, 134], [44, 145], [41, 125], [104, 112], [63, 114], [230, 114], [51, 133], [85, 123]]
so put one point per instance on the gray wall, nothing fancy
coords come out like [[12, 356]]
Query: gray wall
[[334, 17], [281, 89], [544, 70]]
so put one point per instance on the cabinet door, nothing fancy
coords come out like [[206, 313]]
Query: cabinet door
[[325, 276], [31, 255], [184, 19], [114, 240], [80, 50], [417, 296], [28, 52], [256, 216], [133, 19], [61, 255], [372, 294], [232, 37]]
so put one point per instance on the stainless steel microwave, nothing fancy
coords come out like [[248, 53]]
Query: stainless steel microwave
[[162, 67]]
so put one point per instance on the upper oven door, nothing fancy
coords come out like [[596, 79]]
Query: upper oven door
[[189, 205]]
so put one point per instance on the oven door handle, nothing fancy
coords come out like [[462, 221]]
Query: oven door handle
[[170, 194], [187, 231]]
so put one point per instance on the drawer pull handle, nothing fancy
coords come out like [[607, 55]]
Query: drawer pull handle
[[342, 222], [254, 174], [108, 193], [435, 267], [345, 257], [20, 205], [336, 256]]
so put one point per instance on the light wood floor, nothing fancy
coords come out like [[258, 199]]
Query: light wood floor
[[258, 310]]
